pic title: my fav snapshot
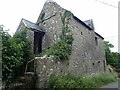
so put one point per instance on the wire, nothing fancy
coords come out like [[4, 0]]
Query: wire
[[106, 3]]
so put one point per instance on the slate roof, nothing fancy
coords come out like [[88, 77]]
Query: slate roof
[[31, 25], [99, 35], [35, 27], [83, 23], [89, 23]]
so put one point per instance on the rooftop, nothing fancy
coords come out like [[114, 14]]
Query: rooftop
[[89, 23], [31, 25]]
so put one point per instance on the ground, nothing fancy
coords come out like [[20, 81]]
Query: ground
[[113, 85]]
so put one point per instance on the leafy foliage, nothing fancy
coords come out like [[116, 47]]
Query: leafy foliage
[[67, 15], [15, 52], [61, 50], [21, 37], [109, 57], [112, 58], [70, 81], [66, 36]]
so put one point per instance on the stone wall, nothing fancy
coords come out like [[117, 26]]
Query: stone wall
[[87, 55], [51, 23], [45, 66]]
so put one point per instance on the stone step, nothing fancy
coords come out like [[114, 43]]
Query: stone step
[[29, 73], [23, 81]]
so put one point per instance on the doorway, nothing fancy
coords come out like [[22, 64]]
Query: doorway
[[38, 42]]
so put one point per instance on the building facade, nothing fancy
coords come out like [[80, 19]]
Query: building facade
[[87, 56]]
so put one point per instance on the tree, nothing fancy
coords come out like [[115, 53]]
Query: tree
[[112, 58], [16, 51], [108, 52]]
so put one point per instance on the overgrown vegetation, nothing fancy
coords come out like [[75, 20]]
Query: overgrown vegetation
[[66, 36], [42, 17], [69, 81], [66, 15], [112, 58], [16, 52], [62, 49]]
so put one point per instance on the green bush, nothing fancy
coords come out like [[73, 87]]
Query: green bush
[[67, 38], [63, 82], [61, 50], [112, 58], [69, 81], [16, 51]]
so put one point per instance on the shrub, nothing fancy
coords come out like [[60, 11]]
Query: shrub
[[16, 51], [70, 81], [60, 50]]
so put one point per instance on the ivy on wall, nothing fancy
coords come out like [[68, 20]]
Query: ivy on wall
[[62, 49], [42, 17]]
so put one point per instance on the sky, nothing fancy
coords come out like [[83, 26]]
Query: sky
[[104, 14]]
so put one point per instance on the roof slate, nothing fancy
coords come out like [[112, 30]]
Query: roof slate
[[99, 35], [83, 23], [32, 25], [89, 23]]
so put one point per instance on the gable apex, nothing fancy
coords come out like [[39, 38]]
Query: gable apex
[[49, 1], [90, 23]]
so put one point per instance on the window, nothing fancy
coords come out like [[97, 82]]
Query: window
[[96, 41], [44, 23], [98, 61], [81, 33]]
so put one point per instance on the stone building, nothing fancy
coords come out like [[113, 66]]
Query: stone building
[[87, 56]]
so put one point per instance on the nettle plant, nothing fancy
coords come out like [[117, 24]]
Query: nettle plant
[[62, 49]]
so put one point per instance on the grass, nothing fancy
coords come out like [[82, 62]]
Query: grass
[[70, 81]]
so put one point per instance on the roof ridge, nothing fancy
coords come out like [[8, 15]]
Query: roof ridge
[[99, 35], [82, 22], [28, 21], [49, 1]]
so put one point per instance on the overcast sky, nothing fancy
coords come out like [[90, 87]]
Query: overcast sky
[[103, 13]]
